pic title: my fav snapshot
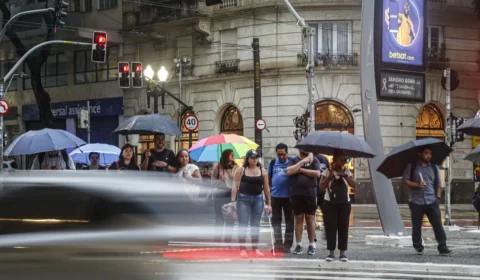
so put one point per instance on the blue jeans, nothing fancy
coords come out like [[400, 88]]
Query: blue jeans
[[249, 209]]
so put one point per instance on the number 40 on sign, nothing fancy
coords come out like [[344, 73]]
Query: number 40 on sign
[[190, 122]]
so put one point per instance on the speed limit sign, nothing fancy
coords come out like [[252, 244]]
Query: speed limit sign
[[190, 122]]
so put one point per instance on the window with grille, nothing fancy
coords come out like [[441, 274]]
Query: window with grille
[[88, 72], [54, 72]]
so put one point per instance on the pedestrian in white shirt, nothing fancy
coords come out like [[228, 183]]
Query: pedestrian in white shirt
[[53, 160]]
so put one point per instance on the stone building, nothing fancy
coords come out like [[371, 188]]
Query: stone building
[[218, 80]]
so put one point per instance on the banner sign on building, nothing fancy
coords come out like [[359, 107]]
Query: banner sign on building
[[403, 28], [401, 86], [66, 110]]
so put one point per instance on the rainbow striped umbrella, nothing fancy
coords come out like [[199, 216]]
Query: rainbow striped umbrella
[[210, 149]]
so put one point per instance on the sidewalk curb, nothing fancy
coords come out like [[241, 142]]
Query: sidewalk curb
[[447, 269]]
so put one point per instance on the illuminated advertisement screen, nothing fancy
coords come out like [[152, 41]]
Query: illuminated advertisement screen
[[403, 32]]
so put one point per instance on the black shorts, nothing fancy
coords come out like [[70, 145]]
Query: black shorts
[[304, 205]]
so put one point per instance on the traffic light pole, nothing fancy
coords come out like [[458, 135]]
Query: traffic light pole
[[448, 140], [308, 35], [19, 15], [12, 71]]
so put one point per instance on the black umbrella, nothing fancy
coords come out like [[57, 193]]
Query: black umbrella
[[147, 125], [470, 127], [326, 142], [399, 157], [474, 156]]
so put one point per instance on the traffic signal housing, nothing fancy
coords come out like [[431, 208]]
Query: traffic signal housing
[[137, 75], [99, 47], [60, 12], [124, 74]]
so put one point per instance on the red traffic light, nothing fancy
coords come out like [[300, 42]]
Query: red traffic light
[[100, 38], [125, 68], [139, 68]]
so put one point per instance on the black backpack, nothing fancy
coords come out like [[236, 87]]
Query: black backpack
[[66, 158], [414, 166]]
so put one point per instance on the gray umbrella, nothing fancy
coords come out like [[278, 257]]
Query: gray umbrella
[[470, 127], [474, 156], [147, 125], [326, 142]]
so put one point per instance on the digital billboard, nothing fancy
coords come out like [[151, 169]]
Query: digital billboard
[[403, 31]]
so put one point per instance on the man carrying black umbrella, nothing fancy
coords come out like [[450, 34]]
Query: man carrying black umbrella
[[423, 179], [159, 158]]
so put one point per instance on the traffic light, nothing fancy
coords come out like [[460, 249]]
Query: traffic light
[[60, 12], [124, 74], [213, 2], [137, 75], [99, 47]]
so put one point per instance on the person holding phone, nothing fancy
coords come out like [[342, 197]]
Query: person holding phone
[[337, 207], [423, 179]]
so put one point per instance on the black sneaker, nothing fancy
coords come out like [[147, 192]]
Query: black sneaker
[[298, 250], [445, 251], [311, 250], [343, 258], [419, 251], [330, 257]]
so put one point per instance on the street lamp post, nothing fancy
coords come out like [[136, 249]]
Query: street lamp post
[[154, 92]]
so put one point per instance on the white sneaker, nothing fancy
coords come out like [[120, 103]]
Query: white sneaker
[[258, 253], [243, 254]]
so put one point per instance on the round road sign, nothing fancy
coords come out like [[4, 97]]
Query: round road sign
[[4, 107], [260, 124], [190, 122]]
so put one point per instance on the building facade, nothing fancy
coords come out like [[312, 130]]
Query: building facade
[[217, 81]]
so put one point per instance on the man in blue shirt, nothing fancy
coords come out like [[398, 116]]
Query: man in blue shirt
[[280, 195], [423, 180]]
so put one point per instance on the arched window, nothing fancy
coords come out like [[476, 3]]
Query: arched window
[[185, 138], [430, 122], [331, 115], [232, 122]]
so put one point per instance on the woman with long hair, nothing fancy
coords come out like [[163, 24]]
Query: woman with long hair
[[126, 160], [187, 170], [251, 183], [222, 179]]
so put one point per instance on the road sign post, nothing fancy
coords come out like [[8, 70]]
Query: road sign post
[[190, 122], [260, 124]]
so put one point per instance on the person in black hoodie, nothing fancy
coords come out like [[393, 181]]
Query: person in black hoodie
[[126, 160]]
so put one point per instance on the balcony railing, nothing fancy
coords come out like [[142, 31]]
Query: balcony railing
[[330, 59], [228, 4], [227, 66], [155, 11], [436, 59]]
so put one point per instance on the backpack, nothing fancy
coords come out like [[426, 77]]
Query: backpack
[[338, 191], [476, 200], [414, 166], [66, 158]]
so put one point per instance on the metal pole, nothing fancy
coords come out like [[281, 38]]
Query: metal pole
[[448, 140], [17, 16], [89, 123], [257, 92], [32, 50], [385, 197], [1, 130], [179, 104], [190, 139], [308, 34]]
